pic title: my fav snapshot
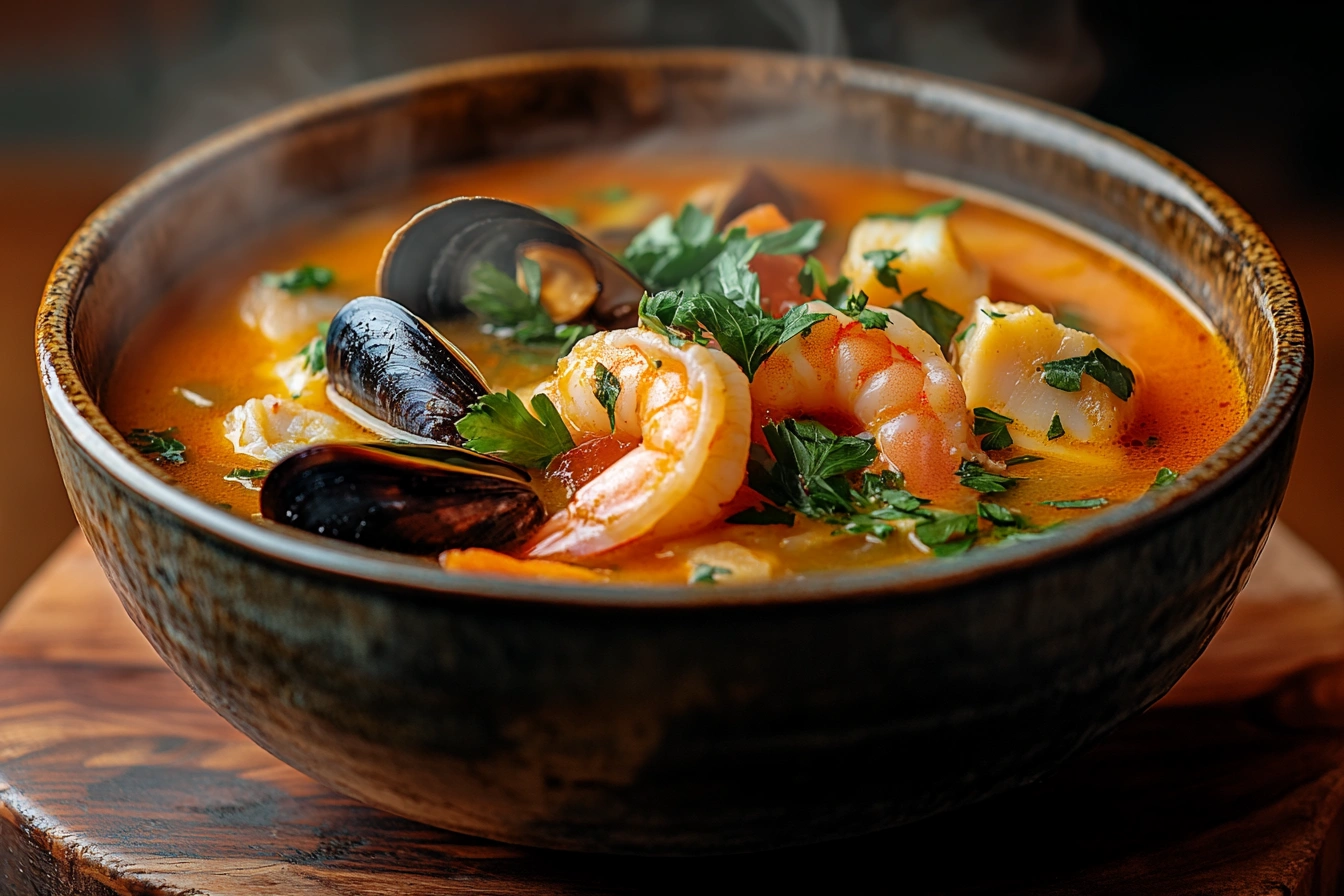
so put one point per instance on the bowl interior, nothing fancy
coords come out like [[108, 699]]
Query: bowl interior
[[301, 160]]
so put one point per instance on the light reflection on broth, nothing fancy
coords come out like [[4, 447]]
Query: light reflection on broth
[[1189, 399]]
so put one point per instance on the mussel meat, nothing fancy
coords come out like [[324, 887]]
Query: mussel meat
[[412, 499], [428, 264], [393, 373]]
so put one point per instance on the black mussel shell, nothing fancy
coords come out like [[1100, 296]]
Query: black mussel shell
[[428, 262], [402, 378], [410, 499]]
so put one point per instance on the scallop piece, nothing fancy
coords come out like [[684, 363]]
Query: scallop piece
[[273, 428], [281, 316], [1001, 360], [932, 259]]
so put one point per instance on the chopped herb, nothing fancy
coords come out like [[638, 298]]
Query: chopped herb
[[1007, 535], [992, 315], [222, 505], [161, 444], [672, 253], [314, 354], [1001, 516], [809, 467], [933, 318], [881, 260], [1056, 429], [607, 389], [1079, 504], [497, 299], [301, 279], [1023, 459], [561, 214], [948, 534], [499, 424], [1067, 373], [765, 515], [239, 474], [940, 209], [1165, 477], [745, 335], [704, 574], [994, 427], [961, 337], [856, 306], [799, 238], [612, 193], [974, 476], [813, 276]]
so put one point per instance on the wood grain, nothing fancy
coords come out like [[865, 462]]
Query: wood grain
[[116, 779]]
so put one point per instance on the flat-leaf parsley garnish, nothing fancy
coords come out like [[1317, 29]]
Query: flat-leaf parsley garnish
[[881, 260], [497, 299], [856, 306], [1066, 374], [1077, 504], [1165, 477], [607, 389], [974, 476], [1023, 459], [994, 427], [934, 318], [304, 278], [705, 574], [799, 238], [764, 515], [158, 443], [314, 354], [941, 208], [949, 534], [1056, 429], [499, 424]]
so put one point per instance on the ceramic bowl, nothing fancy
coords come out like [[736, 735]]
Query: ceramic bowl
[[673, 720]]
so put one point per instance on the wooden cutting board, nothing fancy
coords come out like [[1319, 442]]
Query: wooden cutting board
[[116, 779]]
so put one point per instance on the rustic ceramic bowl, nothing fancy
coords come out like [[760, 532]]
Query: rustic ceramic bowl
[[673, 721]]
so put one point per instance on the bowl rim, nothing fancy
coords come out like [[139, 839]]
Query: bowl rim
[[71, 405]]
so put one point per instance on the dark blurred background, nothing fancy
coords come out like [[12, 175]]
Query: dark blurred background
[[92, 92]]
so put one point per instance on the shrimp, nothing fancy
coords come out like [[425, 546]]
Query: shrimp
[[893, 381], [690, 409]]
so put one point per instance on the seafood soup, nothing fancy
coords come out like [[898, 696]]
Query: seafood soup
[[677, 371]]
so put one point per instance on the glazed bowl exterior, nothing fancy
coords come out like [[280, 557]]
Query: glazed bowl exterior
[[656, 720]]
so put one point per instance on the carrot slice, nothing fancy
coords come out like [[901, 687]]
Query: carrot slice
[[759, 219], [482, 560]]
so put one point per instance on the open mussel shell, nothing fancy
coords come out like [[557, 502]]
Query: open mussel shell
[[396, 375], [427, 265], [412, 499]]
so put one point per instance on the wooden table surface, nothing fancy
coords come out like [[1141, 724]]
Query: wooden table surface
[[116, 779]]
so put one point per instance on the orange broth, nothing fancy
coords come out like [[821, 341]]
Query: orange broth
[[1190, 397]]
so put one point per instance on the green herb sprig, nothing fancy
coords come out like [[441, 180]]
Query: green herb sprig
[[499, 424], [305, 278], [158, 444], [1066, 374]]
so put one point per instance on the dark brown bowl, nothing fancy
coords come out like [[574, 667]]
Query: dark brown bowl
[[643, 719]]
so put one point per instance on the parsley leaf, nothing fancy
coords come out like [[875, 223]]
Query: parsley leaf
[[948, 534], [241, 474], [672, 252], [1056, 429], [881, 260], [497, 299], [813, 276], [1023, 459], [499, 424], [765, 515], [160, 443], [314, 354], [961, 337], [941, 208], [809, 465], [1001, 516], [974, 476], [994, 427], [993, 315], [304, 278], [607, 389], [856, 306], [933, 318], [797, 239], [1165, 477], [1067, 373], [1079, 504], [704, 574]]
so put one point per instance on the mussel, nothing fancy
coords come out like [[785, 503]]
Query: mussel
[[428, 264], [412, 499], [394, 374]]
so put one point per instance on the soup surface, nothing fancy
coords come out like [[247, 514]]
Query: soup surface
[[951, 422]]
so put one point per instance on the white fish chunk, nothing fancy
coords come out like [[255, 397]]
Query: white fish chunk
[[1000, 363], [932, 259], [273, 428], [297, 376], [281, 316]]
